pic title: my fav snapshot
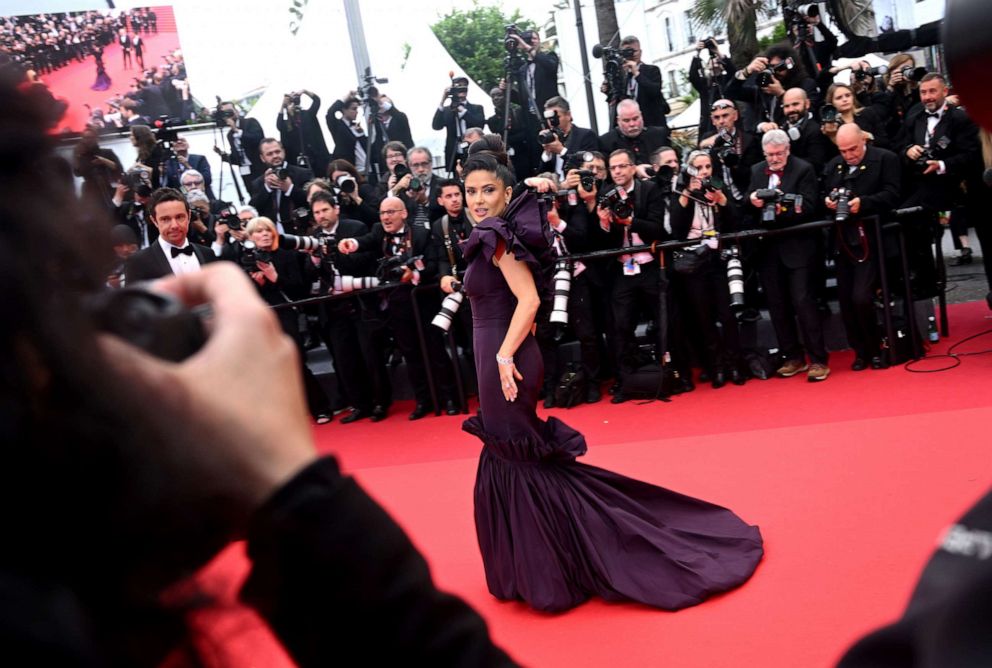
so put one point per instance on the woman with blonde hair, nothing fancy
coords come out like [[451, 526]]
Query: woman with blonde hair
[[849, 110]]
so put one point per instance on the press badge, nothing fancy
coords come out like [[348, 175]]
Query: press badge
[[631, 268]]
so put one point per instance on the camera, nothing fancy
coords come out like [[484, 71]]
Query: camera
[[455, 92], [346, 183], [735, 276], [662, 177], [915, 74], [861, 75], [220, 117], [776, 200], [509, 43], [553, 130], [562, 287], [724, 150], [138, 181], [449, 307], [617, 202], [251, 255], [705, 184], [402, 170], [280, 172], [930, 153], [230, 219], [710, 44], [828, 114], [842, 196], [300, 243], [391, 269], [294, 99], [612, 70], [587, 179], [764, 79]]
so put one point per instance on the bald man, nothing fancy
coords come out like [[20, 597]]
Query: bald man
[[396, 237], [808, 142], [872, 176], [632, 134]]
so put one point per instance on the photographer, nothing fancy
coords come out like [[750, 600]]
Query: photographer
[[847, 109], [391, 124], [808, 141], [643, 84], [397, 245], [393, 156], [560, 139], [421, 192], [632, 135], [734, 149], [538, 77], [131, 211], [785, 262], [243, 137], [340, 318], [902, 91], [201, 221], [300, 132], [278, 277], [229, 232], [631, 213], [280, 189], [523, 146], [455, 118], [448, 232], [701, 212], [181, 162], [350, 140], [98, 167], [862, 181], [357, 198], [710, 80], [765, 80]]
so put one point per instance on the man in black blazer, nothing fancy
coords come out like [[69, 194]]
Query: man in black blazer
[[455, 118], [633, 135], [243, 136], [350, 141], [786, 261], [872, 176], [300, 131], [558, 153], [391, 124], [276, 197], [636, 280], [808, 142], [185, 161], [171, 253], [394, 236], [538, 77], [644, 85], [733, 167]]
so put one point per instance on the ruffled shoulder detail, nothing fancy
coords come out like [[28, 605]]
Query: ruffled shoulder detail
[[524, 231], [558, 443]]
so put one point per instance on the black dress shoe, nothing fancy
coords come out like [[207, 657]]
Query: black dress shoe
[[736, 377], [618, 397], [355, 414], [549, 400], [704, 376], [859, 364], [450, 407], [965, 257], [378, 413], [615, 387], [719, 380], [593, 394], [419, 411], [878, 363]]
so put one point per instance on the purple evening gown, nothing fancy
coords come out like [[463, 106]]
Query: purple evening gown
[[552, 531]]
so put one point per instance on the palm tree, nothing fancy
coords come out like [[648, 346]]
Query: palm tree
[[606, 22], [741, 19]]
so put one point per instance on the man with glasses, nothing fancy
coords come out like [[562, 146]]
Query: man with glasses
[[393, 311], [636, 282], [733, 149], [785, 262], [185, 161], [633, 135], [423, 201]]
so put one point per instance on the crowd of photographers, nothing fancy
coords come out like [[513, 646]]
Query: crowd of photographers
[[780, 143]]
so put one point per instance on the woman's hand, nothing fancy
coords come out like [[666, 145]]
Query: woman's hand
[[258, 277], [717, 197], [539, 184], [268, 271], [508, 377]]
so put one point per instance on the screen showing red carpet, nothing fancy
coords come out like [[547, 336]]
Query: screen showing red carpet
[[95, 60]]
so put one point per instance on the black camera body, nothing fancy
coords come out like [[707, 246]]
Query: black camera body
[[842, 196], [251, 255], [509, 43], [220, 117], [914, 74], [617, 201], [230, 219], [870, 73], [764, 79], [390, 269], [775, 200], [724, 150], [280, 172], [346, 183], [932, 151], [587, 179], [828, 114], [402, 170]]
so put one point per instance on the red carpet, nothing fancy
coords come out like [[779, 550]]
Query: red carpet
[[851, 482], [72, 83]]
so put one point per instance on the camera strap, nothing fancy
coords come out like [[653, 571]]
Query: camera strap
[[448, 246], [862, 242]]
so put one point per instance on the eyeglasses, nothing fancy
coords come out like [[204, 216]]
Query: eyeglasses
[[194, 182], [420, 164], [623, 165], [390, 212], [722, 105]]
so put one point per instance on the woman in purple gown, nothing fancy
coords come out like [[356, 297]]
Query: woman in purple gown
[[552, 531]]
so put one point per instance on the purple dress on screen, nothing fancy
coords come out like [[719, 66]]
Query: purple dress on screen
[[552, 531]]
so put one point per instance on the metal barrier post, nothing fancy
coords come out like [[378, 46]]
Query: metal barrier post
[[423, 348]]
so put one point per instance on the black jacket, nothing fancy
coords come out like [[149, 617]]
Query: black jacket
[[458, 231], [578, 141], [648, 221], [812, 145], [642, 145], [374, 244], [251, 138], [545, 79], [654, 106], [344, 139], [264, 201], [875, 182], [151, 263], [446, 118], [301, 134], [750, 153], [798, 178]]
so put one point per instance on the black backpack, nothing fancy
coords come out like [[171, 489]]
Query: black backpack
[[571, 389]]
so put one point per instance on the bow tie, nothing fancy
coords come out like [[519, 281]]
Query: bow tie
[[397, 235], [777, 172], [188, 250], [933, 114]]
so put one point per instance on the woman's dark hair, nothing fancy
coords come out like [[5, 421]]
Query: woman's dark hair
[[145, 142], [341, 165], [783, 51], [77, 434], [492, 143], [397, 146], [834, 87], [484, 161]]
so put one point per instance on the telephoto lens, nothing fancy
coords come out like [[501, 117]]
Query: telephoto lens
[[735, 282], [344, 284], [449, 307], [562, 287]]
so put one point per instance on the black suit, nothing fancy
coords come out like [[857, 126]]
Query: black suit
[[875, 181], [151, 263], [397, 130], [642, 145], [398, 316], [264, 200], [247, 147], [786, 261], [521, 138], [939, 192], [345, 140], [651, 99], [812, 145], [578, 141], [301, 134], [545, 81], [446, 118], [748, 147]]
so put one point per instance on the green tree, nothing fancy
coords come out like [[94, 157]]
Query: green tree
[[474, 38]]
